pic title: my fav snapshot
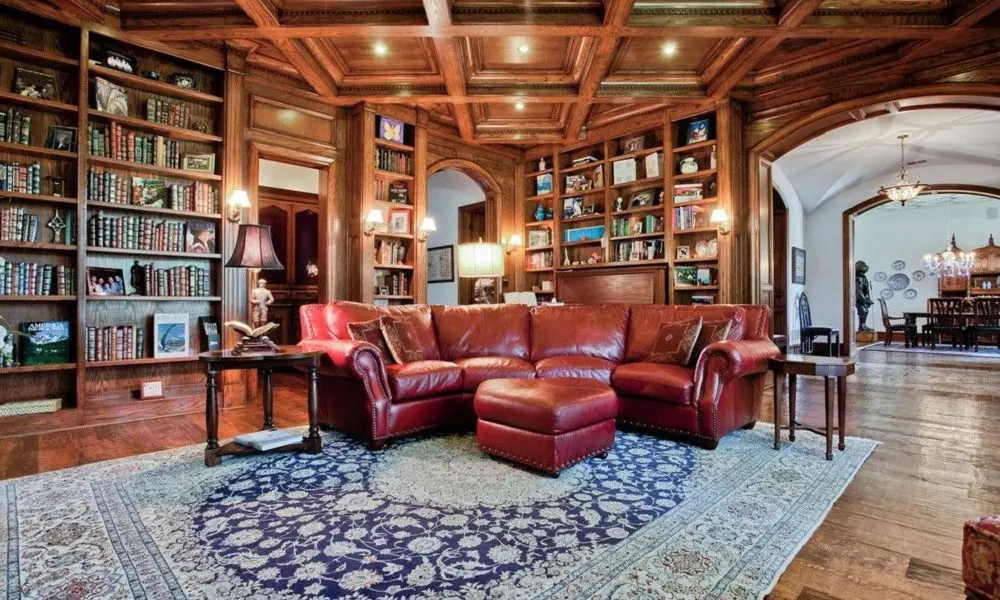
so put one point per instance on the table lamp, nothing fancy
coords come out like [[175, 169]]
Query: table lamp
[[255, 251], [483, 262]]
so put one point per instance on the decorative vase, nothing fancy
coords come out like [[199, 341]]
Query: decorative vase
[[566, 256], [539, 212], [688, 165]]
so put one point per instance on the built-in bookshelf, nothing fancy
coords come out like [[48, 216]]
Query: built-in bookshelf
[[111, 216], [393, 243]]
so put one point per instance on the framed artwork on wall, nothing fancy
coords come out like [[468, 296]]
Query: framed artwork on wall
[[441, 264], [798, 265]]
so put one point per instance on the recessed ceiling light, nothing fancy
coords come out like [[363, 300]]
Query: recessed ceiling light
[[519, 105], [669, 48], [380, 49], [523, 48]]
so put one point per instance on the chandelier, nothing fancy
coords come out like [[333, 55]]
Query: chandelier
[[903, 190], [950, 263]]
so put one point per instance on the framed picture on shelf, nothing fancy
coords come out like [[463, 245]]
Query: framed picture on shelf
[[399, 220], [103, 281], [390, 130], [148, 192], [683, 252], [653, 164], [151, 390], [576, 183], [633, 144], [798, 265], [118, 61], [598, 177], [697, 131], [705, 276], [539, 238], [209, 334], [399, 192], [202, 163], [61, 138], [543, 184], [109, 97], [170, 335], [199, 237], [34, 84], [623, 171], [440, 264], [641, 199], [572, 207], [685, 276]]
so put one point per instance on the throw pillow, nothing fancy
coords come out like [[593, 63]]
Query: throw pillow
[[401, 337], [675, 342], [371, 332], [711, 332]]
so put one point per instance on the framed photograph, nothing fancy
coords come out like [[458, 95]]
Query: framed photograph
[[641, 199], [683, 252], [623, 171], [685, 276], [705, 276], [572, 207], [184, 80], [697, 131], [102, 281], [209, 334], [577, 182], [633, 144], [170, 335], [119, 62], [203, 163], [399, 192], [390, 130], [199, 237], [440, 264], [399, 220], [34, 84], [543, 184], [539, 238], [653, 164], [150, 390], [61, 138], [109, 97], [798, 265]]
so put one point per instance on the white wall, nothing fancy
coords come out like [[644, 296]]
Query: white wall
[[288, 177], [823, 230], [796, 237], [446, 191], [886, 234]]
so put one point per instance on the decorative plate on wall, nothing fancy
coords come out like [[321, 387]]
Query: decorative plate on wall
[[880, 276], [885, 294], [918, 275], [898, 265], [910, 294], [898, 281]]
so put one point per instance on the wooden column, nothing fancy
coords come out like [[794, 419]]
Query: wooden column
[[419, 282]]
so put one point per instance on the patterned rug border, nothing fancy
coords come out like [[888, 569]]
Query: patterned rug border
[[986, 352]]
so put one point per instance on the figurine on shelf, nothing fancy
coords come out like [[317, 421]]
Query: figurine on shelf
[[541, 164], [619, 204], [713, 162], [566, 260], [260, 299], [549, 213], [137, 279], [6, 348], [539, 212]]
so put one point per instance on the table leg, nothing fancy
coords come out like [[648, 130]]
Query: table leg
[[829, 344], [314, 444], [268, 400], [779, 392], [841, 409], [793, 384], [828, 384], [211, 418]]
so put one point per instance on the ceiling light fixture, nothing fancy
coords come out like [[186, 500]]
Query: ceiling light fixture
[[523, 48], [669, 48], [380, 49], [519, 105], [903, 190]]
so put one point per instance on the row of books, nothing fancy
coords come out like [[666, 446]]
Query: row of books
[[391, 160], [15, 126], [35, 279], [136, 232], [638, 250], [392, 283], [116, 342], [690, 217], [108, 186], [16, 225], [175, 114], [397, 192], [389, 253], [540, 260], [118, 143], [621, 227], [20, 177], [186, 281]]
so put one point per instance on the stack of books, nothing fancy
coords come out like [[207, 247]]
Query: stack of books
[[268, 439]]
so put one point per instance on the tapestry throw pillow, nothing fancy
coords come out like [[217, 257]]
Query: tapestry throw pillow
[[675, 342], [371, 332], [711, 332], [401, 337]]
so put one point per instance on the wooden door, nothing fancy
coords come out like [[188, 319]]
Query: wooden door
[[779, 253], [765, 233], [471, 229]]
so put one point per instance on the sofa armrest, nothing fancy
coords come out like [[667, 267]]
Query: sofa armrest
[[734, 359], [360, 360], [728, 382]]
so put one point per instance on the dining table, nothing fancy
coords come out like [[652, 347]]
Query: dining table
[[910, 319]]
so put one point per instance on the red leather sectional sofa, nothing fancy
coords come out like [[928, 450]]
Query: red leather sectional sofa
[[466, 345]]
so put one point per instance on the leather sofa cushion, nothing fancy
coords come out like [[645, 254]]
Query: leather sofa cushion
[[595, 331], [423, 378], [670, 384], [478, 369], [645, 321], [575, 366], [484, 330], [551, 406], [342, 312]]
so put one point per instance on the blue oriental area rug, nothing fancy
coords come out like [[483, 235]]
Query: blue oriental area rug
[[427, 518]]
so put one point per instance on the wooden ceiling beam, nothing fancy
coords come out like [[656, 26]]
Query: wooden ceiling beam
[[450, 60], [91, 10], [974, 12]]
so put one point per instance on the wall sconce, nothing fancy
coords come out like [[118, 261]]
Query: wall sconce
[[373, 221], [238, 200], [509, 246], [427, 227], [721, 218]]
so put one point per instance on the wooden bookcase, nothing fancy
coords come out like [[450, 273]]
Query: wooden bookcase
[[632, 220], [106, 390]]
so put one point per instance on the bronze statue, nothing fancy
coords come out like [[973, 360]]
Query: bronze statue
[[862, 294], [137, 279]]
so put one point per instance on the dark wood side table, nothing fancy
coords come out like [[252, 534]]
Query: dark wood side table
[[224, 360], [827, 367]]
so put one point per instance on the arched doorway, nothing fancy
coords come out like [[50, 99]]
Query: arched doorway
[[462, 200]]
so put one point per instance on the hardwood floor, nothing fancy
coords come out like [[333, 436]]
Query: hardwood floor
[[895, 534]]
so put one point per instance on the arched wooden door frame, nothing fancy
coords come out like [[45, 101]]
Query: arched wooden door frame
[[847, 242], [796, 133]]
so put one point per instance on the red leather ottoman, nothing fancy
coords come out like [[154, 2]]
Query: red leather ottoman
[[546, 424], [981, 558]]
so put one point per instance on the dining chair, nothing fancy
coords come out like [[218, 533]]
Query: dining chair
[[985, 320], [808, 332], [909, 331], [947, 317]]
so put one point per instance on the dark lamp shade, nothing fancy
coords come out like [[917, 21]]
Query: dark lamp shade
[[254, 249]]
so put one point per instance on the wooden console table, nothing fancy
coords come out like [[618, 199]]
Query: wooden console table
[[827, 367], [264, 363]]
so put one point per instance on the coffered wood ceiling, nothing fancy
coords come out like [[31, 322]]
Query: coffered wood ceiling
[[543, 71]]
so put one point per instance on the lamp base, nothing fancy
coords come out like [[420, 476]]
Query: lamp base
[[255, 344]]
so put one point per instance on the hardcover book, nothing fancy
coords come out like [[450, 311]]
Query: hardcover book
[[45, 342]]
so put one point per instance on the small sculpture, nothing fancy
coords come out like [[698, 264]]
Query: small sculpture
[[57, 225], [541, 164], [137, 279], [6, 348], [260, 299], [539, 212], [862, 294], [619, 204]]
